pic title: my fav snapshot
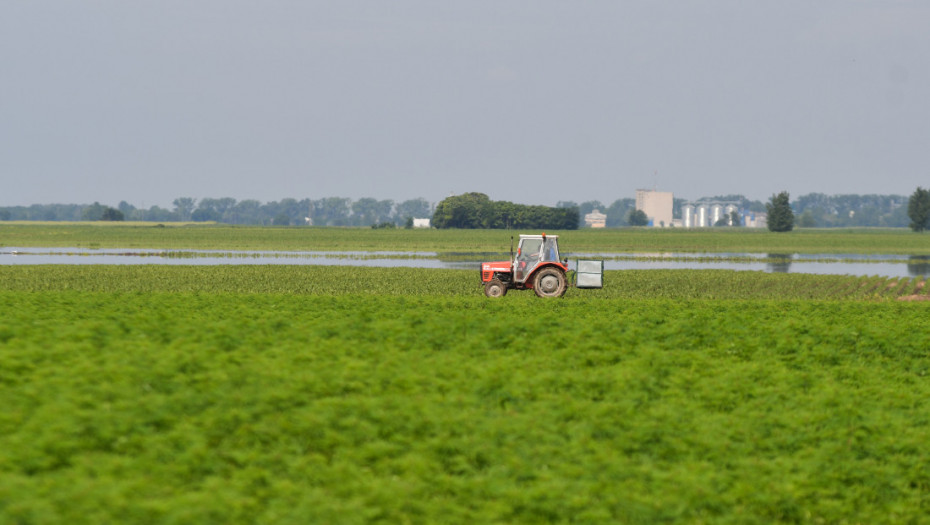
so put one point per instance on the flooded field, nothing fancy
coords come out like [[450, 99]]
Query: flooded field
[[824, 264]]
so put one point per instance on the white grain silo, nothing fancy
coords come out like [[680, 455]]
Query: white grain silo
[[687, 215], [730, 210], [702, 215]]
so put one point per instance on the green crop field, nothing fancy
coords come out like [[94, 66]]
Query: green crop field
[[224, 237], [294, 394]]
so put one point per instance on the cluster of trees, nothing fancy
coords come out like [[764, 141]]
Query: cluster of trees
[[477, 210], [331, 211], [816, 210]]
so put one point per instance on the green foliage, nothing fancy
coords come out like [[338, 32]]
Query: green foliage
[[918, 209], [844, 211], [780, 216], [470, 210], [476, 210], [407, 282], [93, 212], [128, 407], [282, 219], [183, 206], [806, 220], [112, 214], [369, 211], [637, 218]]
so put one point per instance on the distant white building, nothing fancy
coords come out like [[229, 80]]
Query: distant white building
[[756, 219], [657, 205], [595, 219], [421, 223]]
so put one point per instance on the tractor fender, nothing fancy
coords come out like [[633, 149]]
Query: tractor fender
[[529, 278]]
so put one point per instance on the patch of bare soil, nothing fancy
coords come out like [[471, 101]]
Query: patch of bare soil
[[914, 297]]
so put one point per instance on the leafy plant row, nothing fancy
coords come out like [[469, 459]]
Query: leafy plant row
[[631, 240], [341, 280], [194, 407]]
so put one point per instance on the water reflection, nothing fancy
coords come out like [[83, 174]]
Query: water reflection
[[829, 264], [779, 263], [918, 265]]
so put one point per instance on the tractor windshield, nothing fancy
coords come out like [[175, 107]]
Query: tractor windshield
[[551, 250], [530, 247], [527, 257]]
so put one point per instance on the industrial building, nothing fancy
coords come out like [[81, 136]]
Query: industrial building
[[657, 205], [704, 214]]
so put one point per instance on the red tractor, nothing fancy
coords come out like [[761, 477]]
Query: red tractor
[[536, 267]]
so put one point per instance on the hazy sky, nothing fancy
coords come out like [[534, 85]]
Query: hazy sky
[[528, 101]]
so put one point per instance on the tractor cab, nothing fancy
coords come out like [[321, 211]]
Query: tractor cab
[[533, 251]]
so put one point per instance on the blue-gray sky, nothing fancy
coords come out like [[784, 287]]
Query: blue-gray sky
[[529, 101]]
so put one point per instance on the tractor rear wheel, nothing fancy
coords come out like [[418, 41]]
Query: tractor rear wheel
[[550, 282], [495, 288]]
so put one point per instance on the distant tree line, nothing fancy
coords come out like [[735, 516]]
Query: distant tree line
[[331, 211], [815, 210], [477, 210]]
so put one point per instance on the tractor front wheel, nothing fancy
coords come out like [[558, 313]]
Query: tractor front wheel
[[495, 288], [550, 282]]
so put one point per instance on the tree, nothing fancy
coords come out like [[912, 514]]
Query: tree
[[471, 210], [618, 212], [587, 207], [637, 218], [93, 212], [205, 214], [780, 216], [183, 206], [112, 214], [368, 211], [734, 219], [246, 212], [918, 209], [806, 220], [331, 211], [412, 209], [127, 209]]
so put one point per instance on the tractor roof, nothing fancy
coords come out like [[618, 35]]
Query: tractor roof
[[538, 236]]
